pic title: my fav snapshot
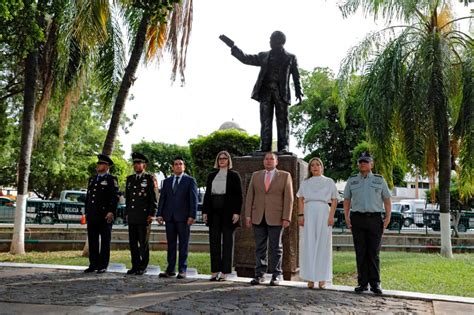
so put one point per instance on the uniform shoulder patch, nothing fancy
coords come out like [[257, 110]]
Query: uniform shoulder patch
[[355, 175], [377, 175]]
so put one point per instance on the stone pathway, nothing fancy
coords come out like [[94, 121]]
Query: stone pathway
[[50, 291]]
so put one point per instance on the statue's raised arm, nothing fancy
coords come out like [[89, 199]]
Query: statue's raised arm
[[272, 89], [229, 42]]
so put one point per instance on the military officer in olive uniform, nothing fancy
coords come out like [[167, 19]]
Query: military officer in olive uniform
[[140, 208], [367, 196], [100, 208]]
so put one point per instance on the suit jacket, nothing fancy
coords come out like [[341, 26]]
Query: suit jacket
[[232, 197], [290, 66], [179, 206], [140, 198], [101, 197], [276, 203]]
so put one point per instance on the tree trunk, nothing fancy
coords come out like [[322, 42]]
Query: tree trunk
[[439, 100], [27, 133], [127, 81]]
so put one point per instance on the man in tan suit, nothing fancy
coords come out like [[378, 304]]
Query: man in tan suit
[[268, 208]]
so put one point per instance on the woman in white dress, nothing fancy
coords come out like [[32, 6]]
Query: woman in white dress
[[317, 218]]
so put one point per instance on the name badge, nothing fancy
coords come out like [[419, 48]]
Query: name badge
[[104, 183]]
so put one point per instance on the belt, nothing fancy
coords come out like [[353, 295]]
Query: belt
[[367, 214]]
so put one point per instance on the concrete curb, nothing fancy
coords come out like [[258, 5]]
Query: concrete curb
[[295, 284]]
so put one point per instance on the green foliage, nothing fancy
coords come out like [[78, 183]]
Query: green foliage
[[318, 128], [161, 156], [417, 85], [204, 149], [399, 169], [57, 166], [457, 201]]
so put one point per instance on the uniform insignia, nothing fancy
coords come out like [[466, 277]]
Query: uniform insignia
[[144, 184], [104, 183], [354, 182]]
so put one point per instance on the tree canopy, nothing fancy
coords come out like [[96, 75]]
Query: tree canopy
[[204, 149], [317, 126], [161, 156]]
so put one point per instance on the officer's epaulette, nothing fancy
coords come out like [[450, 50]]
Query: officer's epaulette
[[377, 175], [355, 175]]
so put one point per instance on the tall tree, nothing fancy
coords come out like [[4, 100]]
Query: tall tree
[[205, 148], [318, 128], [162, 25], [415, 82], [161, 156], [33, 35]]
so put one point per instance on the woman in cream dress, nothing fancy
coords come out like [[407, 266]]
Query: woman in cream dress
[[316, 218]]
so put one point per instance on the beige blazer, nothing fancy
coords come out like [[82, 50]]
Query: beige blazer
[[276, 203]]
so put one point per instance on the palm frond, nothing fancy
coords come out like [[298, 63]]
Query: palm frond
[[90, 23], [404, 10], [111, 60]]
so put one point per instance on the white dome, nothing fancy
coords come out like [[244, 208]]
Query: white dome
[[230, 125]]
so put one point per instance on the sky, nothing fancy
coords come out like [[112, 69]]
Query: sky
[[218, 86]]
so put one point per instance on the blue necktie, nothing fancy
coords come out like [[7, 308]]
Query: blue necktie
[[175, 184]]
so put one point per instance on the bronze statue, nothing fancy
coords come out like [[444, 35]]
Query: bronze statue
[[272, 88]]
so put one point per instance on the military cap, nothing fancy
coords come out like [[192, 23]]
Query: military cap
[[365, 156], [102, 158], [138, 157]]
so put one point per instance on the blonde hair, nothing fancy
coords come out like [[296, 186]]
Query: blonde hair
[[227, 154], [310, 174]]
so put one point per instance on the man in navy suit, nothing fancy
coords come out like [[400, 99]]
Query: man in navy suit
[[177, 208]]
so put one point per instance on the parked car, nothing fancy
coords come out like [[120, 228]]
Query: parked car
[[69, 208], [5, 201], [431, 219], [411, 210], [339, 220]]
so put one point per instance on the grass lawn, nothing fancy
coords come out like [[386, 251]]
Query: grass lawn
[[429, 273]]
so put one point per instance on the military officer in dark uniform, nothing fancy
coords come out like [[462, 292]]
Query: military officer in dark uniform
[[101, 206], [141, 204], [367, 196]]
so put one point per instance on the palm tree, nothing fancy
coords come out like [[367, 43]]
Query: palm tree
[[162, 25], [417, 85], [44, 52]]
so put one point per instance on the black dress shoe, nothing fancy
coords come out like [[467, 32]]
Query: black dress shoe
[[90, 269], [131, 271], [377, 290], [257, 280], [166, 274], [102, 270], [360, 289], [140, 272], [274, 282], [181, 275]]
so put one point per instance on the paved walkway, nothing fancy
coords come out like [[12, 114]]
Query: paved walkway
[[33, 290]]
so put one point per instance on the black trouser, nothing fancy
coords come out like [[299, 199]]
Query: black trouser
[[139, 246], [271, 100], [272, 235], [221, 243], [99, 255], [367, 231]]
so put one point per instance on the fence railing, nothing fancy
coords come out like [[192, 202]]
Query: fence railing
[[424, 222]]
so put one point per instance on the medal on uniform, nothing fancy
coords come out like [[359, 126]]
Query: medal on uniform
[[103, 183]]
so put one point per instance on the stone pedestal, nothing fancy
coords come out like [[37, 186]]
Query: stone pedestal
[[244, 248]]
